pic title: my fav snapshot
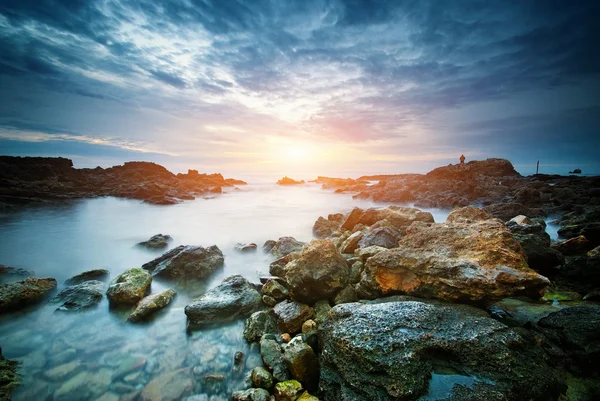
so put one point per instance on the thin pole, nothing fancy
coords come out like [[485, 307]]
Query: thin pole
[[537, 168]]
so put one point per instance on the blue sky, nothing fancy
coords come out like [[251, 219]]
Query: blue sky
[[302, 87]]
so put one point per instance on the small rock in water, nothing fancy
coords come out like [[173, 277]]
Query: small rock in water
[[151, 304], [157, 241], [251, 247], [262, 378], [8, 274], [170, 386], [61, 372], [252, 394], [284, 246], [288, 390], [80, 297], [17, 295], [187, 262], [129, 287], [96, 274]]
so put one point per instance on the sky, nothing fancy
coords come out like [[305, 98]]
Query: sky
[[340, 87]]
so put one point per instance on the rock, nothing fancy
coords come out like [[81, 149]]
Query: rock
[[350, 244], [151, 304], [355, 271], [576, 171], [384, 237], [365, 253], [590, 230], [395, 348], [9, 379], [319, 273], [506, 211], [348, 294], [575, 330], [325, 227], [169, 386], [306, 396], [291, 314], [252, 394], [251, 247], [268, 245], [129, 287], [473, 262], [536, 244], [322, 308], [90, 275], [157, 241], [19, 294], [187, 262], [129, 364], [62, 372], [275, 289], [285, 337], [80, 296], [288, 390], [284, 246], [277, 267], [234, 298], [399, 217], [352, 219], [302, 363], [272, 357], [262, 378], [573, 246], [257, 324], [289, 181], [269, 300], [309, 326], [8, 274], [467, 214]]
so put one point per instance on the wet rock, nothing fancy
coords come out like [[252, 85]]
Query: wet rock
[[62, 372], [306, 396], [262, 378], [288, 390], [384, 237], [269, 301], [284, 246], [129, 287], [277, 268], [272, 357], [309, 326], [536, 243], [573, 246], [324, 227], [291, 314], [80, 297], [350, 244], [151, 304], [268, 245], [348, 294], [322, 308], [187, 262], [590, 230], [355, 271], [8, 377], [234, 298], [506, 211], [302, 363], [129, 364], [285, 337], [259, 323], [251, 247], [90, 275], [252, 394], [399, 217], [319, 273], [19, 294], [575, 330], [170, 386], [157, 241], [475, 262], [394, 348], [8, 274], [276, 290]]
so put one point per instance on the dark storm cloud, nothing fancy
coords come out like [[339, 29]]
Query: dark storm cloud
[[356, 69]]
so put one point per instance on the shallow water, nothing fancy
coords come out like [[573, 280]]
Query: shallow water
[[86, 355]]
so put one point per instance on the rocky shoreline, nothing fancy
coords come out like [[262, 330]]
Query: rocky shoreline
[[386, 303], [35, 179]]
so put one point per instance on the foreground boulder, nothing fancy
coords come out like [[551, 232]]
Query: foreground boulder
[[456, 261], [129, 287], [234, 298], [398, 348], [188, 262], [81, 296], [157, 241], [151, 304], [19, 294], [319, 273]]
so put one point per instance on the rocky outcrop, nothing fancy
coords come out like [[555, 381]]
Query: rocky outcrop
[[473, 262], [397, 348], [187, 262], [234, 298], [17, 295], [41, 178], [151, 304], [289, 181], [129, 287], [320, 272], [80, 296], [157, 241]]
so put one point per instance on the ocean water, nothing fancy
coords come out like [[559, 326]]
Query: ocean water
[[97, 353]]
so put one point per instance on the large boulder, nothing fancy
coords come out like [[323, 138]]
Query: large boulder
[[129, 287], [234, 298], [187, 262], [19, 294], [284, 246], [151, 304], [404, 349], [81, 296], [474, 262], [319, 273]]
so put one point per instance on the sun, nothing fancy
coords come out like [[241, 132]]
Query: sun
[[296, 152]]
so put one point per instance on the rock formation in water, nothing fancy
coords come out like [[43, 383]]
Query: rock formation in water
[[289, 181], [38, 178]]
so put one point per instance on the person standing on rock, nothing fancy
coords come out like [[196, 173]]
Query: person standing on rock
[[462, 159]]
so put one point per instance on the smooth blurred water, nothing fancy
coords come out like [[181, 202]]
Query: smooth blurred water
[[63, 240]]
